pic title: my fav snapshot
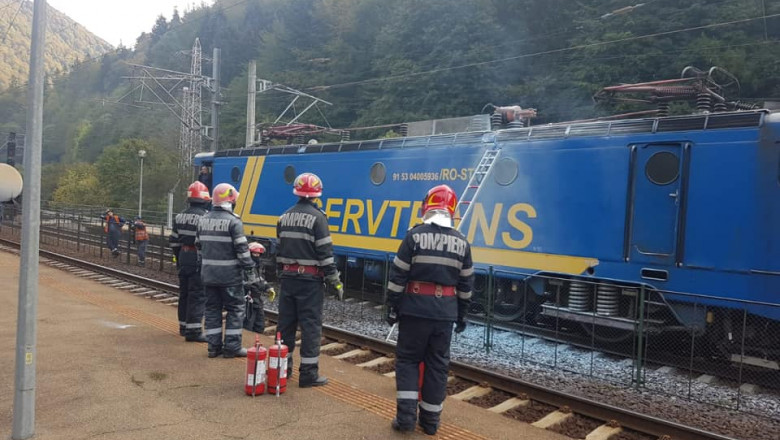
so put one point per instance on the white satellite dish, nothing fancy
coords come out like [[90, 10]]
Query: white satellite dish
[[10, 183]]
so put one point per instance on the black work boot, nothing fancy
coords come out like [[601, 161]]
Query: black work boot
[[182, 331], [215, 351], [397, 426], [429, 421], [318, 382], [405, 415], [241, 353], [197, 337]]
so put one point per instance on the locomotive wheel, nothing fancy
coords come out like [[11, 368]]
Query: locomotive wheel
[[509, 305]]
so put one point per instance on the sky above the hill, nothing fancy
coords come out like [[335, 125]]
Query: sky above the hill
[[121, 20]]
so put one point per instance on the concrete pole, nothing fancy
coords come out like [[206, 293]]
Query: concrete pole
[[169, 224], [215, 103], [141, 188], [24, 379], [250, 104]]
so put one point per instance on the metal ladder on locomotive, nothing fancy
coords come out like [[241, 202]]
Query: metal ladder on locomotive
[[481, 173]]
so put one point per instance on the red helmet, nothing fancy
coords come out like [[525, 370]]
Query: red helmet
[[256, 248], [198, 192], [307, 185], [224, 192], [440, 197]]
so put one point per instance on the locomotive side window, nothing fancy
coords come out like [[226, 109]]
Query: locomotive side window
[[289, 174], [663, 168], [235, 174], [378, 173], [505, 171]]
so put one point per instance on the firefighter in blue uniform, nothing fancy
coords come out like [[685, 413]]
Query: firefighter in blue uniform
[[305, 260], [254, 317], [226, 267], [192, 299], [429, 289]]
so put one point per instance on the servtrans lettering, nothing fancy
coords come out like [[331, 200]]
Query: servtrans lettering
[[508, 224]]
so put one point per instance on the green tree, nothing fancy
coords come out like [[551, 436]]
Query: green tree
[[80, 186], [118, 171]]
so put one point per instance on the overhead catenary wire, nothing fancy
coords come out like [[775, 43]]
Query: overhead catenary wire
[[13, 19]]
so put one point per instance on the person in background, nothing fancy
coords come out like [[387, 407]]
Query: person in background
[[141, 238], [205, 177], [255, 315], [113, 228]]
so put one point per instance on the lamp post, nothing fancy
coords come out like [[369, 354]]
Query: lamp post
[[141, 154]]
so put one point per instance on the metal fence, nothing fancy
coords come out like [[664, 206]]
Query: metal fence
[[631, 343], [80, 230], [570, 326]]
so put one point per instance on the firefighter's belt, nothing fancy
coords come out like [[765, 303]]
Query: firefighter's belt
[[189, 248], [300, 269], [424, 288]]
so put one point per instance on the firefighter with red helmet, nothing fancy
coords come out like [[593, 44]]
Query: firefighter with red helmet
[[192, 299], [305, 261], [226, 267], [254, 319], [429, 289]]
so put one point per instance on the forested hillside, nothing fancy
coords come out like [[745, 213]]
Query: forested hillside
[[66, 42], [383, 61]]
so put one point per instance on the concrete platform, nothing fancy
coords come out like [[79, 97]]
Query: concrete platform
[[111, 366]]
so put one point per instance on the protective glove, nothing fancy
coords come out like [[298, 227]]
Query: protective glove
[[460, 325], [175, 261], [335, 282], [250, 277], [391, 315], [271, 294]]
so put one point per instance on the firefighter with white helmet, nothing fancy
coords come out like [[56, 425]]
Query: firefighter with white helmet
[[192, 299], [226, 266], [305, 261], [429, 289], [254, 319]]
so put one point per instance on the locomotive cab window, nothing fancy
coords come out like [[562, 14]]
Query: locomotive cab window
[[663, 168], [289, 174], [235, 174]]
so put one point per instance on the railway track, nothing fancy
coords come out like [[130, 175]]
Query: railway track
[[515, 392]]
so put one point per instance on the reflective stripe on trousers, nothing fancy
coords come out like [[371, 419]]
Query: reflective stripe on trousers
[[192, 300], [300, 303], [230, 298], [428, 341]]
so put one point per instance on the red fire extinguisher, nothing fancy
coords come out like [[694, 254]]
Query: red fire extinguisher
[[277, 367], [255, 369]]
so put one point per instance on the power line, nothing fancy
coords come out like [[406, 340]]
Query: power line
[[535, 54], [13, 19]]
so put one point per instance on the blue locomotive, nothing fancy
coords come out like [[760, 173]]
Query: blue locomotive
[[575, 220]]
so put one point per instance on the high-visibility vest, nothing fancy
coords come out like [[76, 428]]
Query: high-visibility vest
[[108, 219], [140, 232]]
